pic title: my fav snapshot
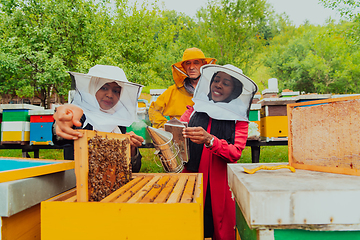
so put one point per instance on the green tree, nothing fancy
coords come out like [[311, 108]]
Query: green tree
[[229, 30], [315, 59], [44, 39]]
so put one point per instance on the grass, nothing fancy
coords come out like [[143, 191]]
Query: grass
[[268, 154]]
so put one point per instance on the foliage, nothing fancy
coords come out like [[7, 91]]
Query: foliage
[[41, 40], [346, 8], [315, 59]]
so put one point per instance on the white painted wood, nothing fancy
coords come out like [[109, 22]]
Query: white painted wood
[[16, 126], [280, 197], [21, 106], [266, 234], [19, 195]]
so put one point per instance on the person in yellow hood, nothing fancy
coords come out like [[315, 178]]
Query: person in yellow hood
[[186, 73]]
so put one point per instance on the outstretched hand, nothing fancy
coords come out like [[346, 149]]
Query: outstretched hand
[[135, 141], [67, 116], [197, 135]]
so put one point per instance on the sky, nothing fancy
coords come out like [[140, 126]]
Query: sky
[[297, 10]]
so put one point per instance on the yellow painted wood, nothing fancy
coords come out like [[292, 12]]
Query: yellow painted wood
[[96, 220], [274, 126], [163, 196], [63, 196], [122, 190], [198, 193], [178, 190], [155, 190], [189, 190], [56, 166], [144, 190], [15, 136], [81, 148], [23, 225], [126, 196]]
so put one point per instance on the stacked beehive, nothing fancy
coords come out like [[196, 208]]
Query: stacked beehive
[[273, 118], [15, 127], [41, 122]]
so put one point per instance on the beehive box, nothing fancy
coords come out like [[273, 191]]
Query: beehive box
[[273, 118], [24, 183], [284, 205], [151, 206], [324, 135], [41, 122], [15, 127]]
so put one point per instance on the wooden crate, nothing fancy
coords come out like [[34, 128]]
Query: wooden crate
[[114, 155], [158, 206], [324, 135]]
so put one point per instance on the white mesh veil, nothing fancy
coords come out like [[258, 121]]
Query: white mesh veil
[[124, 113], [236, 109]]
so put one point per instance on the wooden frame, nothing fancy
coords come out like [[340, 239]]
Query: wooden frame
[[324, 135], [81, 150]]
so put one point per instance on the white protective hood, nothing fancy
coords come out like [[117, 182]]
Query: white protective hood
[[124, 113], [238, 108]]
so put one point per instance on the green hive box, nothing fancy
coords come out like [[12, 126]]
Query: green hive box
[[17, 112]]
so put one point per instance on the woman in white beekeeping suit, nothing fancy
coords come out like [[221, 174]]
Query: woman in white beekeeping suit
[[218, 130], [104, 101]]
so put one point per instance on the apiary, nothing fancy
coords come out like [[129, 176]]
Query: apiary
[[24, 183], [15, 127], [324, 135], [151, 206], [273, 118], [41, 122], [284, 205]]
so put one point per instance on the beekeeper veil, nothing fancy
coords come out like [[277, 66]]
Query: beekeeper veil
[[236, 106], [122, 113]]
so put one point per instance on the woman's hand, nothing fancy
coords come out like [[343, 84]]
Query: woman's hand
[[135, 141], [67, 116], [197, 135]]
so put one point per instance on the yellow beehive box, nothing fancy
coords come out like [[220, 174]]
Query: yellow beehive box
[[17, 132], [273, 118], [151, 206], [24, 183], [274, 126]]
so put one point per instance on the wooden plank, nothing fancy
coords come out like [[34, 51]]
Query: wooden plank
[[198, 192], [154, 192], [178, 190], [128, 194], [71, 199], [81, 148], [23, 225], [63, 196], [187, 196], [165, 193], [122, 190], [325, 135], [140, 194]]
